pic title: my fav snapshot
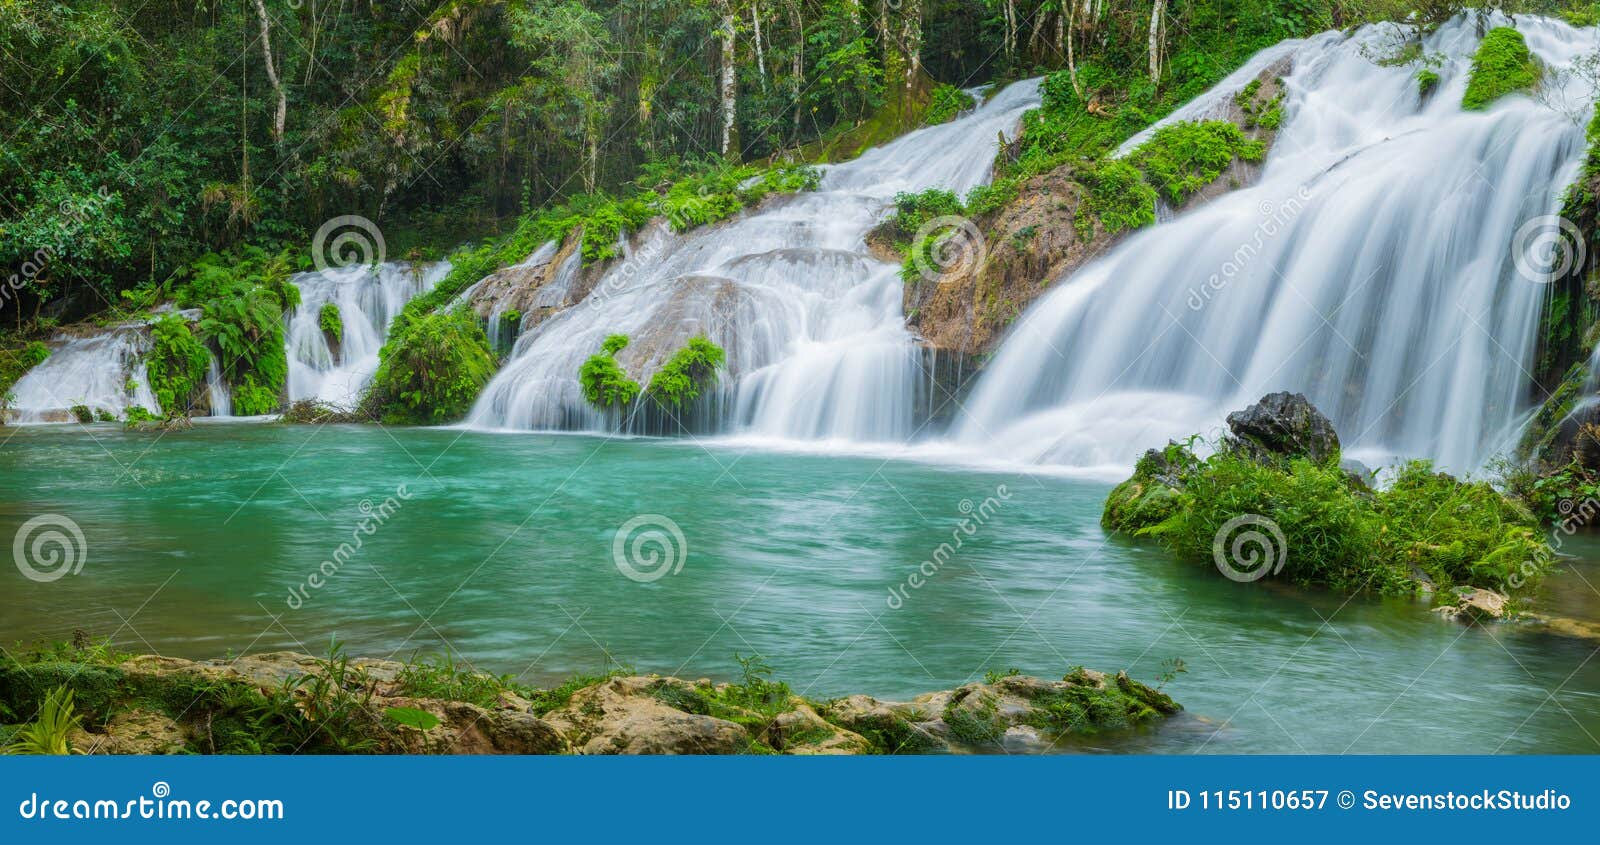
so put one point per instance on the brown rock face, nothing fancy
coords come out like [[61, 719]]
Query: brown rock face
[[1034, 241]]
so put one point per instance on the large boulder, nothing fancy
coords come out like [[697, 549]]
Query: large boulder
[[1283, 425]]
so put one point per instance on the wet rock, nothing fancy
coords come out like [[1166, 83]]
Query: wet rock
[[1474, 603], [626, 716], [133, 732], [1283, 425], [804, 731]]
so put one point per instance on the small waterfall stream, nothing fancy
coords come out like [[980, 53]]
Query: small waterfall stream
[[368, 299], [104, 372]]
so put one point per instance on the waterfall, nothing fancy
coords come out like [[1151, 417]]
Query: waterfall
[[1379, 266], [368, 299], [104, 372], [219, 391], [813, 324]]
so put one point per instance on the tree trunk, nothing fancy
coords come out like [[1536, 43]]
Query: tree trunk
[[799, 68], [729, 83], [911, 29], [1158, 32], [761, 53], [282, 110], [1072, 35]]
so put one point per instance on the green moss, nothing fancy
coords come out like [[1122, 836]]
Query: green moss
[[1181, 158], [1116, 193], [604, 383], [1340, 534], [689, 371], [330, 321], [176, 365], [978, 726], [432, 370], [1427, 81], [1502, 65]]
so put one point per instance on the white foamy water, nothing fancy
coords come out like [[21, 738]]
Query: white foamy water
[[1371, 268], [813, 325], [368, 298]]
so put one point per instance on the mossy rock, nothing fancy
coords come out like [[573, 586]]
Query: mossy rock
[[1502, 65]]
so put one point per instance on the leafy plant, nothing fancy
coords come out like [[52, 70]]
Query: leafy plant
[[48, 733], [689, 370], [432, 369], [176, 364], [330, 321], [602, 380]]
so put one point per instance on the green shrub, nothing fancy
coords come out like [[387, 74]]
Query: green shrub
[[604, 383], [1184, 157], [330, 321], [243, 298], [176, 364], [1337, 532], [34, 354], [945, 103], [432, 370], [1501, 66], [1117, 193], [82, 414], [689, 370]]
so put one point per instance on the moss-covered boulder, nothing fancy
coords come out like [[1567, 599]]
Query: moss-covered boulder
[[1502, 65], [1274, 501]]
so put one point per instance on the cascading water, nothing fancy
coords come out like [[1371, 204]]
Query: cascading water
[[104, 372], [813, 325], [368, 299], [1379, 265]]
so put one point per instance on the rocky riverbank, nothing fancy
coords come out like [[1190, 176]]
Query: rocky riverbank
[[105, 703]]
